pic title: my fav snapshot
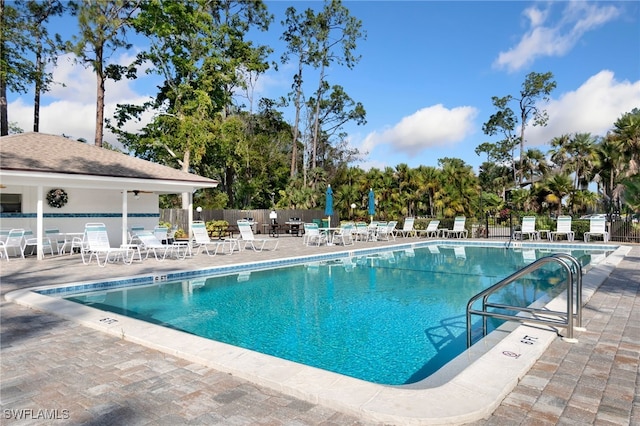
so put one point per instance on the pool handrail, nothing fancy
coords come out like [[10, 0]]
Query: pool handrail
[[571, 266]]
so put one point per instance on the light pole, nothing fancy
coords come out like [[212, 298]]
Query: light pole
[[353, 206], [199, 210]]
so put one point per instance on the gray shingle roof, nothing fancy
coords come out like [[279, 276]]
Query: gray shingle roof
[[44, 153]]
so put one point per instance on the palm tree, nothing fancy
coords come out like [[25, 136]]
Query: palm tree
[[583, 154], [558, 186], [559, 152], [627, 132], [582, 200], [460, 188]]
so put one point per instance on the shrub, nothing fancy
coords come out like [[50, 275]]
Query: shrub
[[217, 228]]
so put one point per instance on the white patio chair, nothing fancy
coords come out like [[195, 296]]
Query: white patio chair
[[597, 226], [528, 228], [312, 234], [54, 236], [13, 241], [203, 242], [345, 235], [32, 242], [563, 227], [361, 232], [257, 244], [387, 231], [458, 231]]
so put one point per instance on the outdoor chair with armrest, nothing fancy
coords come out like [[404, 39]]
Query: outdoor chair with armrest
[[312, 234], [32, 242], [345, 235], [387, 231]]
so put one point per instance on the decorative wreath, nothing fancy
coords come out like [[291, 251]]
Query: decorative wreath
[[57, 198]]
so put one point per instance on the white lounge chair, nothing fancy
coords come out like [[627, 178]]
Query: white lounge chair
[[597, 226], [312, 235], [134, 232], [407, 228], [13, 242], [203, 242], [257, 244], [97, 243], [161, 233], [150, 244], [458, 231], [563, 227], [432, 230], [528, 228]]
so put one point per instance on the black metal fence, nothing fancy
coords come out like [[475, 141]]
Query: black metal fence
[[620, 230]]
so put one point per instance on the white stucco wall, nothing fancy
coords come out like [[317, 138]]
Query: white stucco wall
[[84, 206]]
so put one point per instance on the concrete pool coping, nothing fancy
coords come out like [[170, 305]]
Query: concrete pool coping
[[467, 396]]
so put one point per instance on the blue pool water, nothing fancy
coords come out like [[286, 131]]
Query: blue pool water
[[391, 318]]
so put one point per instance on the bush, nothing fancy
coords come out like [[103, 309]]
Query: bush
[[217, 228]]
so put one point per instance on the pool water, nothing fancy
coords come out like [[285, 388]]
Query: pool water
[[391, 318]]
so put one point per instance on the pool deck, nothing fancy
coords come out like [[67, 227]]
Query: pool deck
[[84, 376]]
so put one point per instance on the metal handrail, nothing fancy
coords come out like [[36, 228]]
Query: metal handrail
[[573, 269]]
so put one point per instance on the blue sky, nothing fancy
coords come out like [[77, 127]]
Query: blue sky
[[427, 74]]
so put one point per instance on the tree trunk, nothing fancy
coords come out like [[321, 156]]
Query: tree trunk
[[296, 123], [36, 95], [4, 118], [316, 121], [100, 98]]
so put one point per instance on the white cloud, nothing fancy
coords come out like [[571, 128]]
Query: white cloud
[[555, 39], [71, 109], [592, 108], [428, 127]]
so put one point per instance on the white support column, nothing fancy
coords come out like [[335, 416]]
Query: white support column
[[40, 223], [189, 197], [125, 215]]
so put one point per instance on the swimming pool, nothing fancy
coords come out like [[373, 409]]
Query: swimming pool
[[388, 317], [466, 389]]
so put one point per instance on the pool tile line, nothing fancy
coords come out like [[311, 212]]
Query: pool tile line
[[84, 287]]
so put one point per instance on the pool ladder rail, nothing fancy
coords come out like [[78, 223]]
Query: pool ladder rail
[[570, 319]]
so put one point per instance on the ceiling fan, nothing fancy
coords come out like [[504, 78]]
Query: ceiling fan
[[136, 193]]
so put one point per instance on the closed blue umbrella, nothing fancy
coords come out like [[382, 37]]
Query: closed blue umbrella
[[372, 203], [328, 208]]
